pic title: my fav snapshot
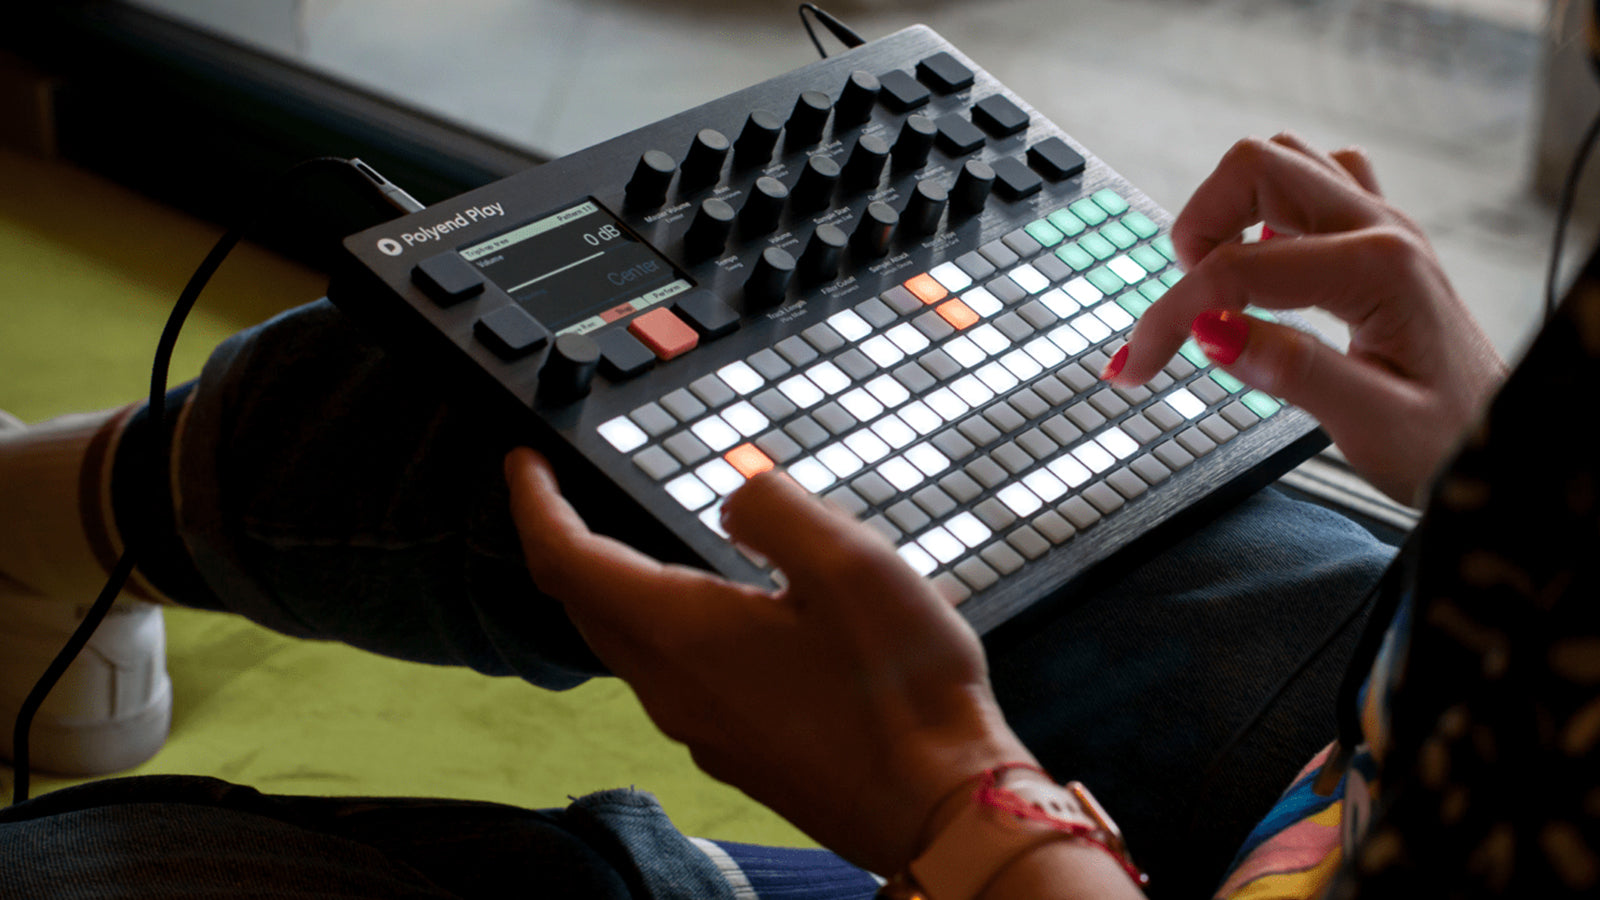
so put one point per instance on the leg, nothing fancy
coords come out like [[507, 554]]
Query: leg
[[321, 490], [328, 491], [1138, 689], [211, 837], [112, 707]]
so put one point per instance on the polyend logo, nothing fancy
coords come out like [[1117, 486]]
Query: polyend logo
[[468, 216]]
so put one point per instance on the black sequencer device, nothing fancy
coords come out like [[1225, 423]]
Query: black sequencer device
[[884, 273]]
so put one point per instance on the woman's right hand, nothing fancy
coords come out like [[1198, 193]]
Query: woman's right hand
[[1418, 368]]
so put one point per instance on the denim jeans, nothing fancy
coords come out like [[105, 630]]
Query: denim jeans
[[332, 491], [170, 836]]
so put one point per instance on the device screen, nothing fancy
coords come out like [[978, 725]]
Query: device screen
[[577, 269]]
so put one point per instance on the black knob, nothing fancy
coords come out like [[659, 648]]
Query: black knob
[[647, 188], [764, 205], [866, 163], [915, 140], [924, 209], [875, 231], [708, 233], [808, 119], [769, 279], [820, 261], [568, 369], [757, 140], [814, 189], [972, 189], [703, 165], [856, 102]]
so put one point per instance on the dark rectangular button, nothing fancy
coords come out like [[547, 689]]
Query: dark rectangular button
[[1005, 290], [942, 73], [621, 355], [1021, 243], [510, 332], [957, 136], [447, 278], [1013, 180], [1053, 268], [707, 313], [976, 267], [900, 92], [999, 116], [1053, 159]]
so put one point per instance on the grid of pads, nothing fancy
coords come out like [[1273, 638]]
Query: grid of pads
[[961, 413]]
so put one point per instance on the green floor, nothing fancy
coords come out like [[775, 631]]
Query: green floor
[[91, 271]]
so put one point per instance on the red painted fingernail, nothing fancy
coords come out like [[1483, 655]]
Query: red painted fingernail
[[1221, 334], [1114, 367]]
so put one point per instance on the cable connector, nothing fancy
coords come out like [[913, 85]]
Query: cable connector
[[391, 192], [838, 29]]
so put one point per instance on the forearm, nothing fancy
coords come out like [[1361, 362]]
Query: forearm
[[1011, 832]]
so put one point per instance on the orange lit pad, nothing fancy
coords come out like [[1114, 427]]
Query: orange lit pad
[[748, 459], [958, 314], [927, 289], [665, 334]]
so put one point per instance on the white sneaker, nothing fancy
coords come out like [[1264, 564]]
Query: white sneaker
[[112, 708]]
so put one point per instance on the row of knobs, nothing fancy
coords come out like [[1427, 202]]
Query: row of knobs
[[715, 219], [873, 237], [819, 178], [763, 207], [703, 164], [709, 149], [574, 358]]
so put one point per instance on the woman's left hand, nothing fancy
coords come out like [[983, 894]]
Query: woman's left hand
[[850, 702]]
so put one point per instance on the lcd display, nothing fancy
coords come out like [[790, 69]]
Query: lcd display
[[577, 269]]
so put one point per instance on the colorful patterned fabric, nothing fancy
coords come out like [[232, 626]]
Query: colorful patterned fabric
[[1299, 846]]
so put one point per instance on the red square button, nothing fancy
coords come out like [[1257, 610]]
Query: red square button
[[665, 334]]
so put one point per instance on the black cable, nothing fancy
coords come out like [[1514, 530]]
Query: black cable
[[1390, 591], [57, 668], [1569, 193], [1594, 39], [838, 29], [1569, 188], [156, 414]]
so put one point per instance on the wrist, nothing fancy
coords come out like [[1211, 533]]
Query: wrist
[[953, 801], [933, 782], [943, 779], [1011, 832]]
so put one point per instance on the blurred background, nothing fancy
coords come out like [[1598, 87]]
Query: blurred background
[[1451, 97]]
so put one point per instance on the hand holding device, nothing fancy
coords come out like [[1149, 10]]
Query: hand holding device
[[850, 701]]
